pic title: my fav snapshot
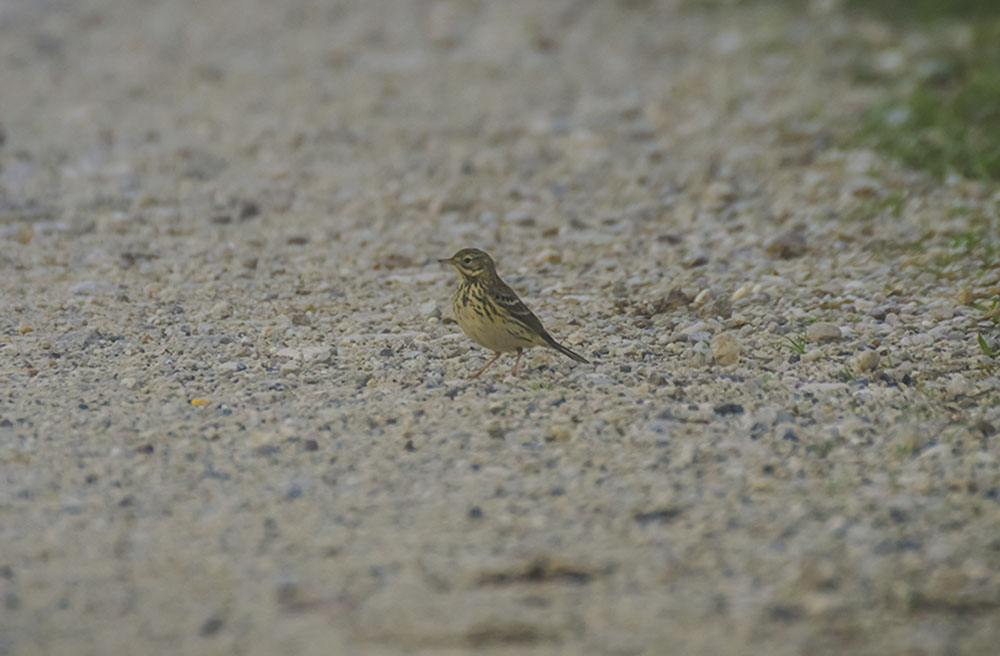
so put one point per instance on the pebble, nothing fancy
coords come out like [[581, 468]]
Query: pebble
[[702, 297], [674, 299], [812, 355], [656, 380], [549, 256], [942, 309], [959, 385], [788, 245], [719, 307], [865, 361], [558, 434], [697, 327], [696, 260], [725, 350], [306, 353], [822, 331], [222, 310]]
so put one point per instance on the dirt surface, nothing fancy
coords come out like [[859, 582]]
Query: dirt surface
[[235, 415]]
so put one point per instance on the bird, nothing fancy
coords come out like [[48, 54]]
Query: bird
[[492, 315]]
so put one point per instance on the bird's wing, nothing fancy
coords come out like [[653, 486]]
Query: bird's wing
[[505, 297]]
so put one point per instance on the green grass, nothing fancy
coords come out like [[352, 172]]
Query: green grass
[[975, 250], [992, 352], [794, 345], [926, 11], [992, 310], [950, 254], [944, 114], [845, 375]]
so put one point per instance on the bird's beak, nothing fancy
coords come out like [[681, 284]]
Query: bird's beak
[[445, 261]]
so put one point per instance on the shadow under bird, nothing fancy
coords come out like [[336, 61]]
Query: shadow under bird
[[492, 315]]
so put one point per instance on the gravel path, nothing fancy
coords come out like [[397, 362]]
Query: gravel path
[[234, 411]]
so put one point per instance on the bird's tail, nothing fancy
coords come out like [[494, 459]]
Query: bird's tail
[[565, 351]]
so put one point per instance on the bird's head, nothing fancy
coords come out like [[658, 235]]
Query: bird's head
[[471, 262]]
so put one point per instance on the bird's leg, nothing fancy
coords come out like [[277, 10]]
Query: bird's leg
[[480, 372], [513, 372]]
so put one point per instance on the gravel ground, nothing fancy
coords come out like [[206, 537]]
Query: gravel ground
[[235, 416]]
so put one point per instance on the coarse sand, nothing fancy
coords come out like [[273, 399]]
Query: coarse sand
[[235, 413]]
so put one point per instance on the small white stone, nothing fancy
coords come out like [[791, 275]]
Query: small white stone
[[725, 350], [865, 361], [310, 353], [697, 327], [959, 385], [942, 309], [812, 355], [822, 331], [222, 310], [316, 353]]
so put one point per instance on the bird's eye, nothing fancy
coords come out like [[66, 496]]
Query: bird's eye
[[468, 260]]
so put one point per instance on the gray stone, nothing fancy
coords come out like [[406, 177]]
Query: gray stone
[[821, 332]]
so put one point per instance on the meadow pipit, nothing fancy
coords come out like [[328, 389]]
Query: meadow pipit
[[491, 314]]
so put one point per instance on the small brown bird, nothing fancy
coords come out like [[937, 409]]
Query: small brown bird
[[491, 314]]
